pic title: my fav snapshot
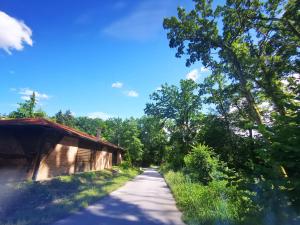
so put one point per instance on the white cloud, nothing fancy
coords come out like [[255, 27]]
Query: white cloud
[[100, 115], [158, 88], [117, 85], [27, 92], [132, 93], [193, 75], [14, 33], [204, 69]]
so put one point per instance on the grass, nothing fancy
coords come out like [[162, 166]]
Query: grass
[[31, 203], [210, 204]]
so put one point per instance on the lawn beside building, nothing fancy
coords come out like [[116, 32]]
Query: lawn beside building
[[30, 203]]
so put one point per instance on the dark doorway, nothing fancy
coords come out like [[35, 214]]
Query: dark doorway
[[114, 158]]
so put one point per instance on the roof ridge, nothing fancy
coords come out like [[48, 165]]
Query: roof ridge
[[47, 122]]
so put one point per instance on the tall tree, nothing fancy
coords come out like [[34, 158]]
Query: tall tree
[[27, 109], [65, 118], [154, 139], [179, 108], [254, 45], [91, 126], [131, 142]]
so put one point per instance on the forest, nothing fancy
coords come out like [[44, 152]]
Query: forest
[[229, 147]]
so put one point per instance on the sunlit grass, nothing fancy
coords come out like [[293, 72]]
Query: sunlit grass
[[211, 204], [47, 201]]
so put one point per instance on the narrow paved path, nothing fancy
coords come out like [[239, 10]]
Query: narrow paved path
[[145, 200]]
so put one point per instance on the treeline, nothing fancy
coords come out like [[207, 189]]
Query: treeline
[[143, 138]]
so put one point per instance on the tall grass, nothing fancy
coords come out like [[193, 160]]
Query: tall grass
[[212, 204]]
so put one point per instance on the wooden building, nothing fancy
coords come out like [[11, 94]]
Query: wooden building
[[39, 149]]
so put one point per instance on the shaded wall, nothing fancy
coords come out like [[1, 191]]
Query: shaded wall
[[119, 157], [15, 159], [60, 160], [67, 158], [103, 160], [40, 153]]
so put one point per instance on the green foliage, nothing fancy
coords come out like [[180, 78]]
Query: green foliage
[[50, 200], [252, 50], [113, 130], [127, 135], [179, 109], [154, 139], [131, 142], [91, 126], [202, 165], [125, 165], [215, 203], [253, 93], [65, 118], [27, 109]]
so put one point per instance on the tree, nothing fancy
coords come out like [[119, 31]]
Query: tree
[[125, 134], [252, 49], [91, 126], [179, 109], [131, 142], [27, 109], [154, 139], [65, 118], [113, 130]]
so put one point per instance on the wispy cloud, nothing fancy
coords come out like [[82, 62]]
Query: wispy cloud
[[14, 33], [204, 69], [84, 18], [132, 93], [25, 94], [117, 85], [193, 75], [119, 5], [100, 115], [158, 88], [143, 23]]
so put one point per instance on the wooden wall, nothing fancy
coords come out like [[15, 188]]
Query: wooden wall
[[103, 160], [38, 153], [68, 158], [13, 164], [60, 160], [119, 158], [83, 160]]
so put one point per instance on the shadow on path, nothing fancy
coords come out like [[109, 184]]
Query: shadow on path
[[145, 200]]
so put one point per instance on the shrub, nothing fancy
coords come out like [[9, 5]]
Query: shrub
[[202, 165], [215, 203], [125, 165]]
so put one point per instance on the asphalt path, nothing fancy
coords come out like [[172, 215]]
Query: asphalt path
[[145, 200]]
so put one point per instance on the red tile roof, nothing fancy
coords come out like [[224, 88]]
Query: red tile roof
[[65, 129]]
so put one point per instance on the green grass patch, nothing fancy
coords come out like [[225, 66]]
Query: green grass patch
[[215, 203], [31, 203]]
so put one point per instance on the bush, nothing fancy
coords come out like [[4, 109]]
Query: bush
[[215, 203], [125, 165], [202, 165]]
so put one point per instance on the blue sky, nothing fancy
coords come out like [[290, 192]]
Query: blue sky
[[96, 58]]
